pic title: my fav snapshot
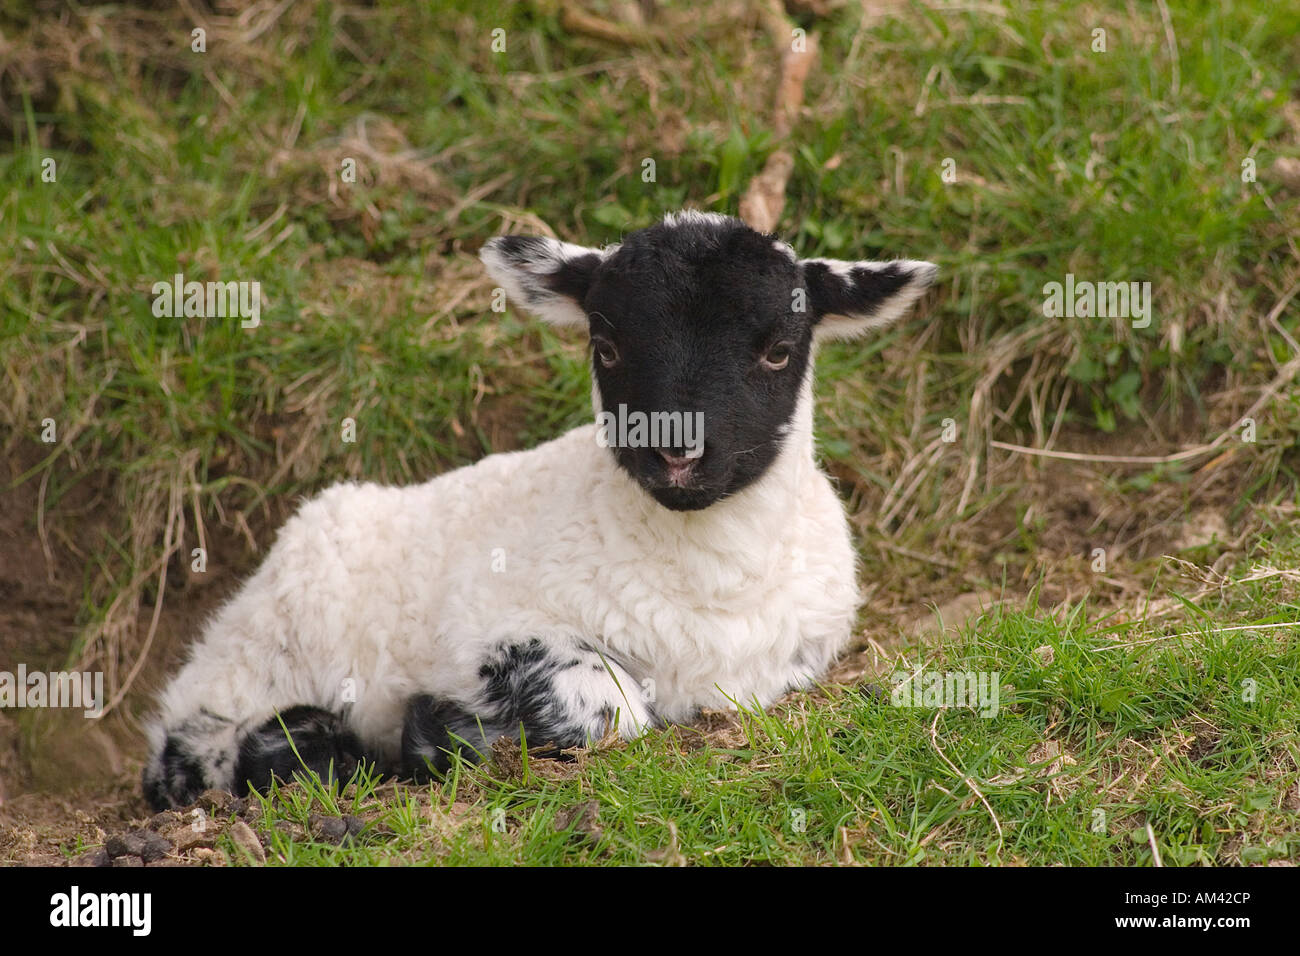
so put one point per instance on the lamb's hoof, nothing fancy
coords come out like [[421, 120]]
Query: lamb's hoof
[[435, 730], [174, 778], [322, 742]]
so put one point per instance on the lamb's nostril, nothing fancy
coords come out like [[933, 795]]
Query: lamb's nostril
[[677, 457]]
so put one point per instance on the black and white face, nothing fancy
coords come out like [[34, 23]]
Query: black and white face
[[701, 331]]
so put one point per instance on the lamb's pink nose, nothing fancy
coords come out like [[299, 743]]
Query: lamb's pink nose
[[680, 467], [676, 461]]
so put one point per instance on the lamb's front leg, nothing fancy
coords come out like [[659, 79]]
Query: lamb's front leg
[[206, 751], [255, 701], [562, 693]]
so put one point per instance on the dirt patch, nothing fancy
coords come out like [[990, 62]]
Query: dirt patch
[[40, 592], [43, 829], [44, 567], [39, 597]]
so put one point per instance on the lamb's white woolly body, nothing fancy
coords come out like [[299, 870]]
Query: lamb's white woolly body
[[573, 587], [374, 594]]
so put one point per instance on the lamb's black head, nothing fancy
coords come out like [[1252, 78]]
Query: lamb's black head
[[700, 321]]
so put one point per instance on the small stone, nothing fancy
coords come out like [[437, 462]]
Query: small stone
[[154, 847], [246, 840], [293, 830], [128, 861], [329, 829], [97, 857], [124, 844], [160, 820], [215, 801], [872, 691], [186, 836]]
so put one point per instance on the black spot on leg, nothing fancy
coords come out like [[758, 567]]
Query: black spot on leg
[[194, 757], [518, 690], [435, 730], [175, 778], [321, 741]]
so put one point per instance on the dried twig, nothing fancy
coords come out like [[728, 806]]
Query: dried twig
[[764, 200], [574, 19]]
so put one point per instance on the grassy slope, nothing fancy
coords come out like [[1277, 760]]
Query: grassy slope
[[224, 165]]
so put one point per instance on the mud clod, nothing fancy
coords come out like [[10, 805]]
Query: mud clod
[[247, 842]]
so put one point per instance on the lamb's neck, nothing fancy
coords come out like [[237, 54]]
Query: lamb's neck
[[732, 544], [735, 544]]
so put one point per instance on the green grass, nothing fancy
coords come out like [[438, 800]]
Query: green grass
[[1187, 729], [226, 165]]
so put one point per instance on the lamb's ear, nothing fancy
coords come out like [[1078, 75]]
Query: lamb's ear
[[848, 299], [548, 277]]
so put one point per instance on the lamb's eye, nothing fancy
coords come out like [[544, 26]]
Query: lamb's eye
[[777, 357], [605, 351]]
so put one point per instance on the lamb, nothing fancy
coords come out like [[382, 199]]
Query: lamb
[[599, 583]]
